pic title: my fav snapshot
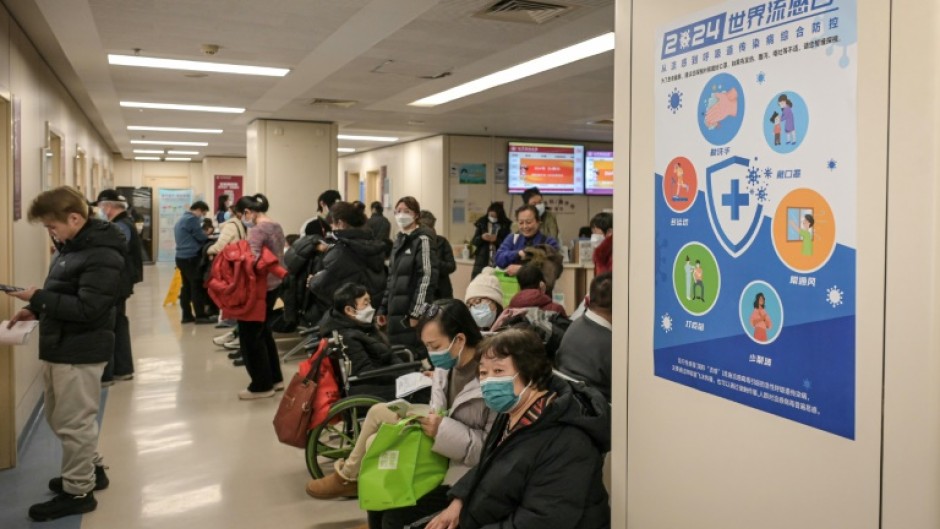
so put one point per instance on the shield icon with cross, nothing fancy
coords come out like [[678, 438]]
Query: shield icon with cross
[[734, 214]]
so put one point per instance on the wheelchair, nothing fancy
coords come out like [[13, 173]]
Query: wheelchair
[[335, 436]]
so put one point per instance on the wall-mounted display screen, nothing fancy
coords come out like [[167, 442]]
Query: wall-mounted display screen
[[556, 169], [599, 173]]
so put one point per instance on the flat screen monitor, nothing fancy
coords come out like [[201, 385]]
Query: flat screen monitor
[[556, 169], [599, 173]]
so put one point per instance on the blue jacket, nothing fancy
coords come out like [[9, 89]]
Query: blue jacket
[[508, 253], [189, 236]]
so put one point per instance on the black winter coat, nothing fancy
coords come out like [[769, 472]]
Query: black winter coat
[[482, 257], [446, 265], [134, 260], [76, 304], [412, 281], [546, 475], [355, 257], [366, 348]]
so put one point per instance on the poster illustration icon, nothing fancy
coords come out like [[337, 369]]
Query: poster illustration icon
[[721, 109], [786, 122], [680, 184], [804, 230], [761, 312], [734, 214], [696, 278]]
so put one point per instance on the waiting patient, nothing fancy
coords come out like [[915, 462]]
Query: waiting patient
[[532, 291], [585, 350]]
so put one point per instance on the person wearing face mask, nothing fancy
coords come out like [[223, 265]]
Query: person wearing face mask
[[484, 298], [489, 232], [533, 197], [412, 276], [451, 336], [190, 239], [602, 239], [352, 317], [353, 256], [230, 230], [512, 251], [112, 207], [222, 212], [319, 225], [542, 462]]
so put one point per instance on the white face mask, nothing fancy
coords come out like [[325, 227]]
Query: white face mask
[[596, 239], [493, 220], [365, 315], [483, 315], [404, 220], [541, 208]]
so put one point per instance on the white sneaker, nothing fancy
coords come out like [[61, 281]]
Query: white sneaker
[[278, 386], [233, 345], [251, 395], [221, 340]]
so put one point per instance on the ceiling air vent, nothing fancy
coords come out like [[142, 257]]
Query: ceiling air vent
[[524, 11], [336, 103]]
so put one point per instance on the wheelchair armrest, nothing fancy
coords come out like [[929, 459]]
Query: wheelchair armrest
[[392, 370], [311, 330], [402, 352]]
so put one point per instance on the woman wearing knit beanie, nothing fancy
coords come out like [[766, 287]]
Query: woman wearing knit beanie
[[485, 298]]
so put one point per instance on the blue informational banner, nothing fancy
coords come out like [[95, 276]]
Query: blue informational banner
[[173, 203], [756, 207]]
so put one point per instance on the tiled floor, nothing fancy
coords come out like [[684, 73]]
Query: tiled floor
[[183, 451]]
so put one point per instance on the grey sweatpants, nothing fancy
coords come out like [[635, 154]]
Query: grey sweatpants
[[73, 394]]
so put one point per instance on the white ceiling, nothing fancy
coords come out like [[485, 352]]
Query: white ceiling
[[376, 52]]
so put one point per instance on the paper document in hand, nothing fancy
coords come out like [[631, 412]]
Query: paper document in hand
[[407, 384], [19, 334], [406, 409]]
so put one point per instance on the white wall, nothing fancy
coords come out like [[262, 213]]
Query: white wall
[[24, 74], [200, 174]]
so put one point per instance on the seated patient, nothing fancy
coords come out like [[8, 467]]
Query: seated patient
[[532, 291], [542, 461], [449, 332], [584, 353]]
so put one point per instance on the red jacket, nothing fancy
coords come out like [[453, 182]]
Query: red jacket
[[604, 257], [535, 298], [238, 282]]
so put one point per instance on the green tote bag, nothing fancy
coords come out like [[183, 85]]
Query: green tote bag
[[399, 467]]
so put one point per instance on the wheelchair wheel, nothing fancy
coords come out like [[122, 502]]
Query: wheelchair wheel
[[336, 436]]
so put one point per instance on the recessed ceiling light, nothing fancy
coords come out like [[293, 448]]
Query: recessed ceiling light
[[148, 151], [177, 159], [577, 52], [191, 108], [147, 158], [175, 129], [345, 149], [365, 138], [196, 66], [161, 142], [182, 153]]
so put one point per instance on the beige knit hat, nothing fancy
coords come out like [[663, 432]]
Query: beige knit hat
[[485, 285]]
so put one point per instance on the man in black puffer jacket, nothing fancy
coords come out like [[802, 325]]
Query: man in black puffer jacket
[[354, 257], [75, 308]]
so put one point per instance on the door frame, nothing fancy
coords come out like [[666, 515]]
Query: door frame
[[7, 358]]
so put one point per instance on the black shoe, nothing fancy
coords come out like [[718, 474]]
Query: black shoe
[[207, 320], [234, 355], [101, 481], [63, 505], [187, 320], [238, 362]]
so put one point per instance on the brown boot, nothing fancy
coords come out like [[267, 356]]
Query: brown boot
[[332, 486]]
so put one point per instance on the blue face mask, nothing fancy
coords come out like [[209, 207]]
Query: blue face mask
[[443, 359], [101, 214], [228, 215], [498, 393], [483, 315]]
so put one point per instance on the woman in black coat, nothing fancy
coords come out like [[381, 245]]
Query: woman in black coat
[[542, 461], [489, 234], [412, 276]]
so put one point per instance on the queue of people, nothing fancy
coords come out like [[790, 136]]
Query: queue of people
[[519, 392]]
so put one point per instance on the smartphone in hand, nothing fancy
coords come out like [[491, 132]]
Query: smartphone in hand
[[10, 288]]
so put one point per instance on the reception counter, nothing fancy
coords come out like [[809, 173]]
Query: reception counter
[[572, 286]]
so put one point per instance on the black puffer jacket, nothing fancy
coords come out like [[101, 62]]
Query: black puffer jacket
[[548, 474], [76, 304], [446, 265], [134, 260], [483, 249], [412, 281], [366, 348], [355, 257]]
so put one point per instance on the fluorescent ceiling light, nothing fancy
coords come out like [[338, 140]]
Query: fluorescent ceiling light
[[365, 138], [182, 153], [177, 159], [175, 129], [160, 142], [191, 108], [345, 149], [148, 151], [582, 50], [142, 158], [195, 66]]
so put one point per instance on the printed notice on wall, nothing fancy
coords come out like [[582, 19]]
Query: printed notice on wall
[[756, 207]]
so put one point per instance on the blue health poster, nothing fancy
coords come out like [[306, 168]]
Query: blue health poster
[[756, 207]]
